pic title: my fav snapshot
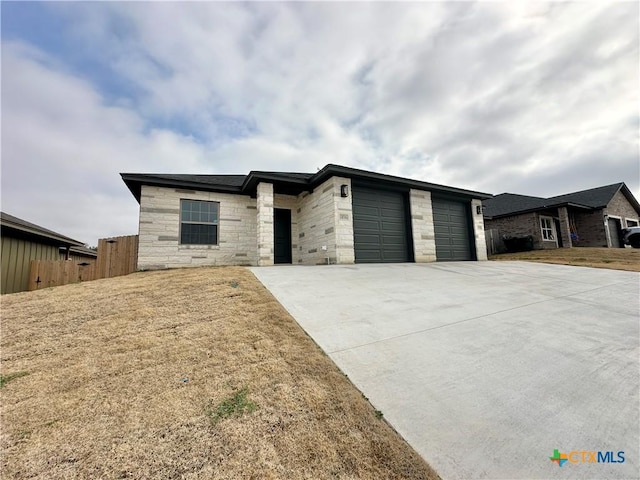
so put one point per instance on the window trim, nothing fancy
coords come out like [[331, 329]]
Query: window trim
[[550, 229], [181, 222], [635, 220]]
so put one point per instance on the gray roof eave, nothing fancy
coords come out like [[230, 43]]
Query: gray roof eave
[[135, 180], [43, 233], [338, 170], [542, 207]]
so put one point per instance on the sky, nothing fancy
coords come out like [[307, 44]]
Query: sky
[[532, 98]]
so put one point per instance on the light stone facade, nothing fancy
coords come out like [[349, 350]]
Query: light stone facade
[[159, 230], [265, 223], [478, 229], [321, 218], [424, 240], [325, 219]]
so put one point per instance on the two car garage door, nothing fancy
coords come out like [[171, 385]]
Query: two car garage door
[[381, 227]]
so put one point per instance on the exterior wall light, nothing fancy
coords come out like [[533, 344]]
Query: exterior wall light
[[478, 209], [344, 191]]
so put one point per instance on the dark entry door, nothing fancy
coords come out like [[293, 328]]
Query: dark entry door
[[281, 235]]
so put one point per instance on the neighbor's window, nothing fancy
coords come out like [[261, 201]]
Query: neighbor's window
[[632, 223], [547, 228], [198, 222]]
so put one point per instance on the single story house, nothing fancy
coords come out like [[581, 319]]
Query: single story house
[[23, 242], [588, 218], [336, 215], [81, 255]]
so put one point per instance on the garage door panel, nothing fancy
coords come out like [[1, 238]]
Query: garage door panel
[[397, 242], [392, 227], [380, 226], [391, 212], [365, 239], [452, 229], [369, 211], [366, 224], [459, 231]]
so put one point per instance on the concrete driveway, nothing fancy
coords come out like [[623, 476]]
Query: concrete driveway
[[485, 368]]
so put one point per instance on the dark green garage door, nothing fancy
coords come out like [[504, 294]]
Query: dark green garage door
[[452, 230], [379, 226]]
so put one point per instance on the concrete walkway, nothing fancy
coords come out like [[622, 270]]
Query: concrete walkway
[[485, 368]]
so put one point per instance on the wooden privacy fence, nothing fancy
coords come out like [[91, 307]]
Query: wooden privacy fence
[[116, 256], [51, 273], [494, 242]]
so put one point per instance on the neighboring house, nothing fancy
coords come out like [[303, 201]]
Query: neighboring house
[[589, 218], [337, 215], [79, 254], [22, 242]]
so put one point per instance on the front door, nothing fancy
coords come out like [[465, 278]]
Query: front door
[[281, 235]]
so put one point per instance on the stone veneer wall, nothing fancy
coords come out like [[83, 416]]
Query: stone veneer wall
[[264, 201], [159, 230], [478, 229], [424, 241], [325, 218]]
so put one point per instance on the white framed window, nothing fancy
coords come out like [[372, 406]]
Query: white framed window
[[631, 222], [198, 222], [546, 226]]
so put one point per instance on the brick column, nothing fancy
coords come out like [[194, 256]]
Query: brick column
[[265, 223], [478, 229], [565, 229], [424, 240]]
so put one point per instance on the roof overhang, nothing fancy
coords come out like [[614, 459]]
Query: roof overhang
[[33, 232], [295, 184], [134, 182], [575, 206]]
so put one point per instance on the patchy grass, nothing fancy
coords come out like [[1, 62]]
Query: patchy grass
[[613, 258], [236, 405], [192, 373], [6, 378]]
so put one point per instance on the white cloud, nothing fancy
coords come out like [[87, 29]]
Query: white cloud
[[63, 147], [532, 98]]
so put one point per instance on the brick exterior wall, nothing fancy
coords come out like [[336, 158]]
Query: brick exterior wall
[[619, 206], [514, 226], [325, 218], [424, 242], [159, 230], [565, 229], [522, 226], [590, 228]]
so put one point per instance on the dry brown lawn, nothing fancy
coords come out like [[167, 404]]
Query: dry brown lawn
[[614, 258], [124, 377]]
